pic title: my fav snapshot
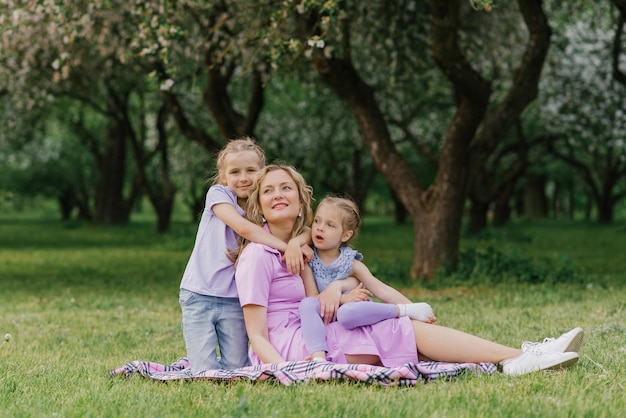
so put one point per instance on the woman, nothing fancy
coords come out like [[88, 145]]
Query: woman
[[270, 296]]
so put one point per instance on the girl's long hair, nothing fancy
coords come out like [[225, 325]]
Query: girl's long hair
[[253, 207]]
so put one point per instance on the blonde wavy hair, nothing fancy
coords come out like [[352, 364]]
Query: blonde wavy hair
[[253, 208]]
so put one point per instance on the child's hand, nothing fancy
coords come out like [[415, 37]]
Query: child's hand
[[293, 257], [307, 253], [329, 302], [358, 294]]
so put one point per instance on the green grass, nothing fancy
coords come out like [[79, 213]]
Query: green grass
[[79, 301]]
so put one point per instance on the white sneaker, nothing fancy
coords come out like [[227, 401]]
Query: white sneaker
[[532, 361], [568, 342]]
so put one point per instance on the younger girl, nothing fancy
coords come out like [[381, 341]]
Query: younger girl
[[335, 224], [211, 313]]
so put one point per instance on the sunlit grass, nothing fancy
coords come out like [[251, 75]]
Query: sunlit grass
[[80, 300]]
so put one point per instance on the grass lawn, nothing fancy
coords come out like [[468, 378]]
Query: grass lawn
[[80, 300]]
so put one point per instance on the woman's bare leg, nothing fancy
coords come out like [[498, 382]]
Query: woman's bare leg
[[363, 359], [446, 344]]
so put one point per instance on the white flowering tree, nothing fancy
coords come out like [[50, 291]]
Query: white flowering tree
[[77, 52], [583, 102]]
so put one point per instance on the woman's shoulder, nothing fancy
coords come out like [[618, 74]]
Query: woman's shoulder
[[258, 248]]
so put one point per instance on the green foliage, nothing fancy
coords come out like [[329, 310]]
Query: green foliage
[[493, 266], [485, 5]]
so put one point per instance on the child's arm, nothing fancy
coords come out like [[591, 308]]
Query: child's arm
[[421, 311], [298, 252], [332, 296], [381, 290], [252, 232], [358, 294], [310, 287]]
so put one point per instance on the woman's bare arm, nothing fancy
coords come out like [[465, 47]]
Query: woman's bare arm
[[255, 317]]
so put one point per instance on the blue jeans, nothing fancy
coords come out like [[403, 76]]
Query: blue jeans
[[209, 321]]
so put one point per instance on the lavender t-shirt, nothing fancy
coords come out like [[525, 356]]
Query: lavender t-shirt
[[209, 271]]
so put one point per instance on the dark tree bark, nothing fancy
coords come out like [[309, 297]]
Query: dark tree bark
[[160, 190], [66, 204], [437, 211], [618, 74], [485, 185], [217, 98], [163, 201], [502, 210], [601, 184], [400, 213], [478, 216], [111, 207], [535, 200], [194, 201]]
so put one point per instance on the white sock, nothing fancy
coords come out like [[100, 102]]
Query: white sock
[[420, 311]]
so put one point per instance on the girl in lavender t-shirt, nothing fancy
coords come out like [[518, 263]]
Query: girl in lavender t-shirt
[[211, 314]]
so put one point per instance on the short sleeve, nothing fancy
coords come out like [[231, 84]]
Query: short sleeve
[[218, 194], [253, 275]]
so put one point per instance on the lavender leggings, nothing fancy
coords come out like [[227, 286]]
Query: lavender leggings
[[350, 315]]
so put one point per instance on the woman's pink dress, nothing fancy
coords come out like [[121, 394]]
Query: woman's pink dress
[[262, 279]]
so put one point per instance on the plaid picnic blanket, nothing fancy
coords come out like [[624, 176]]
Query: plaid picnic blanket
[[292, 372]]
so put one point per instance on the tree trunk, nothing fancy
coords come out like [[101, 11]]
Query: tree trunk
[[111, 208], [160, 190], [535, 202], [588, 207], [66, 204], [483, 187], [195, 201], [605, 210], [217, 99], [478, 216], [163, 201], [502, 210], [84, 210], [400, 213], [437, 212]]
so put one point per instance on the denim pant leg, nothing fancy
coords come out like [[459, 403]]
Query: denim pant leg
[[199, 331], [231, 334]]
